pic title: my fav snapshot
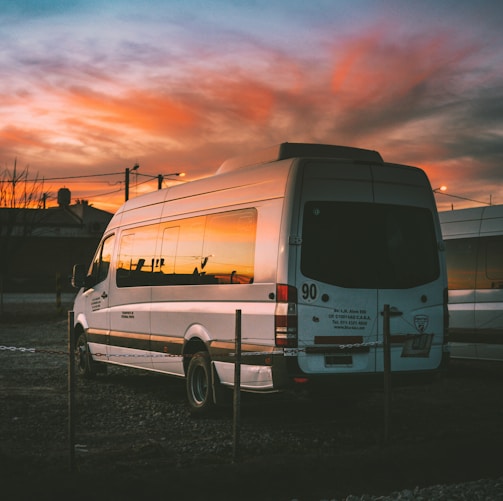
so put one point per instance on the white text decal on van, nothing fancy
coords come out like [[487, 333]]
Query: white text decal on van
[[350, 318]]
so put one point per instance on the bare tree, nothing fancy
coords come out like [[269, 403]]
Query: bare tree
[[21, 199]]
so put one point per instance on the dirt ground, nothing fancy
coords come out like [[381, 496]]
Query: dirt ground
[[135, 438]]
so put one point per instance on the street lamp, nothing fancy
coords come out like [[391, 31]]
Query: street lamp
[[135, 167], [442, 190], [160, 178]]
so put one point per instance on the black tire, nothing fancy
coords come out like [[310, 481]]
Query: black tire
[[84, 363], [199, 384]]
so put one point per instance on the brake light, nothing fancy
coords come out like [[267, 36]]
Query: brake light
[[286, 293], [285, 317]]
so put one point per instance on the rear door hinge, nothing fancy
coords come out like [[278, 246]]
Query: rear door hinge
[[295, 240]]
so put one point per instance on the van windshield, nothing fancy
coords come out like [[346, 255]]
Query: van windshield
[[367, 245]]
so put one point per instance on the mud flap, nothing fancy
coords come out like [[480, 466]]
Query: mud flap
[[219, 393]]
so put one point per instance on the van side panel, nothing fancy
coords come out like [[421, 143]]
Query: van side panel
[[207, 312], [474, 242]]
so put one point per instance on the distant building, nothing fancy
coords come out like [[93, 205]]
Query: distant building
[[44, 244]]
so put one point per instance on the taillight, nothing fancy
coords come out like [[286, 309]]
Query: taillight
[[285, 317]]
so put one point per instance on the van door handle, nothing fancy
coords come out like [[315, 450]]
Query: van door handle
[[104, 295]]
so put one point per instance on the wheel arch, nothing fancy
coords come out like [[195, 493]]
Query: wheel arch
[[192, 346], [80, 321], [78, 329], [197, 339]]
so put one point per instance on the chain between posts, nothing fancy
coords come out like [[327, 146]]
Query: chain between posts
[[284, 351], [32, 350]]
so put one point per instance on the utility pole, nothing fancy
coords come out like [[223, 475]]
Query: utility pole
[[135, 167], [160, 179]]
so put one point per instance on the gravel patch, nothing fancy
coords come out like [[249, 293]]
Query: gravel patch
[[136, 437]]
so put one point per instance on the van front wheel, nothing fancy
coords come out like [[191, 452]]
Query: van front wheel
[[199, 383], [84, 364]]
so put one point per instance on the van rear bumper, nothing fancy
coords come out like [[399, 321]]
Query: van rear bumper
[[366, 380]]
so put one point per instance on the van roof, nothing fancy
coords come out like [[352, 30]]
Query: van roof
[[293, 150], [470, 213]]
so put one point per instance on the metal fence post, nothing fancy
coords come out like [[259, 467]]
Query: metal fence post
[[387, 370], [237, 389]]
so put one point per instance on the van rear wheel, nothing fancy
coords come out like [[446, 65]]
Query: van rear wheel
[[199, 383]]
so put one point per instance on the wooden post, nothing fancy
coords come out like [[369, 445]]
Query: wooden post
[[237, 389], [71, 390]]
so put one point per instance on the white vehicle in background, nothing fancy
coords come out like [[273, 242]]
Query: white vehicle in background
[[308, 241], [474, 252]]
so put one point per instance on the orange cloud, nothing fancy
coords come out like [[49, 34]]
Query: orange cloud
[[145, 110]]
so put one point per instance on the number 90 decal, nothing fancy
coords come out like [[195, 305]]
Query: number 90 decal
[[309, 292]]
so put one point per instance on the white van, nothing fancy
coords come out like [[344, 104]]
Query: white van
[[474, 253], [308, 241]]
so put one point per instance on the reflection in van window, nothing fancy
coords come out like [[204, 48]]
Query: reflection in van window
[[365, 245], [475, 263], [461, 259], [229, 247], [101, 262], [136, 256], [213, 249], [494, 260]]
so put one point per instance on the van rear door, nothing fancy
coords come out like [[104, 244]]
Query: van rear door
[[413, 282], [365, 244]]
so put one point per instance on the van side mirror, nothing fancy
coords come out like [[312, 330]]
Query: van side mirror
[[79, 276]]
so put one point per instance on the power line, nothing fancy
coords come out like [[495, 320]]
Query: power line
[[111, 192], [72, 177], [159, 177], [103, 194], [461, 198]]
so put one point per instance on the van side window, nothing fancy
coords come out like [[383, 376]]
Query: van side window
[[461, 259], [189, 251], [135, 263], [101, 262], [474, 263], [214, 249], [169, 244], [494, 261], [229, 247]]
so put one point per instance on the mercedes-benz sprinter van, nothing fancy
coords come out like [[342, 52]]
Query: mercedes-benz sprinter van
[[308, 242]]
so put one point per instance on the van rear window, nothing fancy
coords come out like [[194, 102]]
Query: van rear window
[[370, 246]]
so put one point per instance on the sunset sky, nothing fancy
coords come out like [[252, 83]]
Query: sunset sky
[[92, 87]]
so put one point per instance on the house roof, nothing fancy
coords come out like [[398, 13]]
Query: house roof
[[81, 219]]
